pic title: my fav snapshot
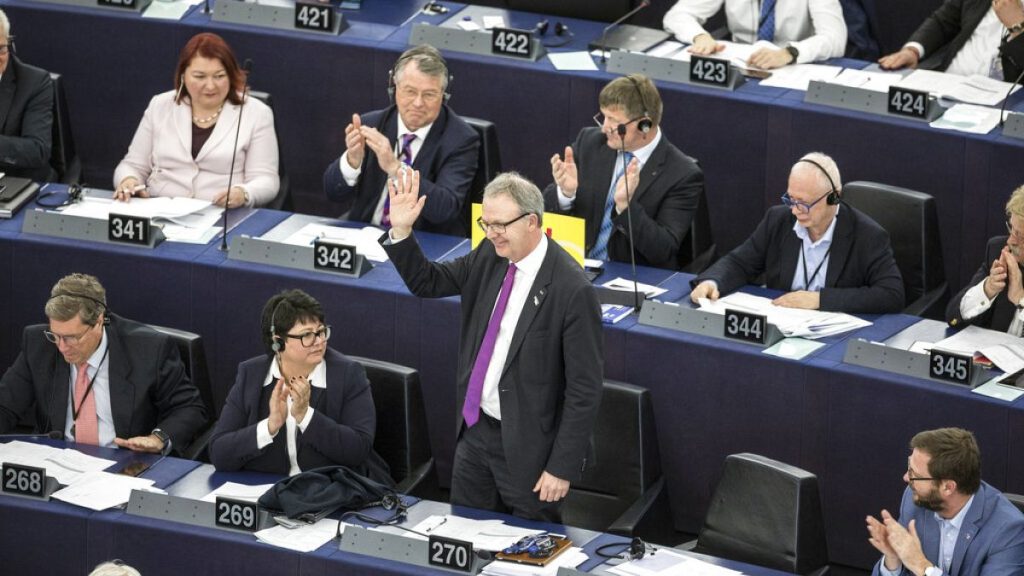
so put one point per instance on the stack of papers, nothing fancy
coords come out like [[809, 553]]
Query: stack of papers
[[667, 563], [63, 464], [493, 535], [976, 89], [811, 324], [624, 285], [799, 76], [305, 538], [183, 219], [736, 53], [101, 490], [571, 558], [236, 491], [364, 239], [1004, 350]]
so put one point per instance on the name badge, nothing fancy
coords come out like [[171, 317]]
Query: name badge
[[334, 257], [317, 17], [511, 42], [236, 514], [24, 480], [449, 553], [910, 103], [711, 71], [950, 367], [129, 229], [745, 326]]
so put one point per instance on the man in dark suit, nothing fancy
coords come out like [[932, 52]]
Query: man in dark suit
[[530, 361], [968, 37], [994, 298], [951, 522], [99, 378], [824, 254], [418, 130], [591, 181], [26, 113]]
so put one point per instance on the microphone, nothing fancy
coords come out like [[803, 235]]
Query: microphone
[[621, 130], [1002, 109], [246, 69], [626, 16], [52, 435]]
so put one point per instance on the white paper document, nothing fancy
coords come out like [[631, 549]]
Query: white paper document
[[1004, 350], [811, 324], [874, 81], [570, 558], [237, 491], [364, 239], [63, 464], [976, 89], [799, 76], [968, 118], [666, 49], [304, 538], [668, 563], [182, 219], [737, 54], [101, 490], [493, 535], [572, 60], [626, 285]]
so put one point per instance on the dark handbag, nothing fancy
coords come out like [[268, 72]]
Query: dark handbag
[[322, 490]]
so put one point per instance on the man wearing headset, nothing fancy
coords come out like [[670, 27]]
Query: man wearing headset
[[627, 161], [418, 130], [98, 378], [825, 255], [26, 113]]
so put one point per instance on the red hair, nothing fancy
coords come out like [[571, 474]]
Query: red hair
[[214, 47]]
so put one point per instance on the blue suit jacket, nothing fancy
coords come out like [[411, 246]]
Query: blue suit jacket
[[447, 162], [991, 541]]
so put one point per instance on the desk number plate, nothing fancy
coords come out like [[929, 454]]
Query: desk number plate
[[950, 367], [128, 229], [334, 257], [236, 514], [712, 71], [25, 480], [452, 554], [319, 17], [511, 42], [745, 326], [129, 4], [910, 103]]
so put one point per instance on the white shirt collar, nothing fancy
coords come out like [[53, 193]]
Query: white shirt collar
[[644, 152], [101, 350], [317, 378], [421, 134], [825, 239], [958, 520], [530, 265]]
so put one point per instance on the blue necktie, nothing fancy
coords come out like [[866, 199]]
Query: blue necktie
[[766, 30], [600, 249]]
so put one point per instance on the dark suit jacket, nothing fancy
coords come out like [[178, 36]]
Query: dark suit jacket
[[663, 205], [950, 27], [991, 541], [1001, 312], [148, 384], [447, 162], [26, 121], [550, 388], [862, 274], [340, 433]]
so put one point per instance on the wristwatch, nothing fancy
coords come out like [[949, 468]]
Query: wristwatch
[[793, 52], [1016, 28], [163, 438], [245, 196]]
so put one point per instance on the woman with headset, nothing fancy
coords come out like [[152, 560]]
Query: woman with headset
[[195, 139], [300, 406]]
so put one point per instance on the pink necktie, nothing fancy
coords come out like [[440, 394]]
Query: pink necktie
[[471, 408], [86, 426]]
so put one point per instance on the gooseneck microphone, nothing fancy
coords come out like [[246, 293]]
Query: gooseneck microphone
[[1002, 109], [246, 69], [626, 16], [621, 130]]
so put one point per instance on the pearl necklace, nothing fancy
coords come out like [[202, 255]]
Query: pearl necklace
[[208, 119]]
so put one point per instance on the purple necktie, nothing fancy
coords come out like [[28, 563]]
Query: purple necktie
[[471, 408], [406, 157]]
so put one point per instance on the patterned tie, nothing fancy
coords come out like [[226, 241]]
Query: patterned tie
[[600, 249], [766, 30], [471, 408], [406, 157], [86, 426]]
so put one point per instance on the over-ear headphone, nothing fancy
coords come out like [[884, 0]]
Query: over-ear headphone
[[74, 194], [635, 550], [644, 123], [106, 316], [277, 343], [833, 195], [561, 31], [410, 55]]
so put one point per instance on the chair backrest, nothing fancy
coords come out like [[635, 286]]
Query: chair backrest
[[190, 347], [63, 155], [283, 200], [401, 439], [767, 513], [698, 249], [911, 220], [626, 461], [1015, 499], [488, 166]]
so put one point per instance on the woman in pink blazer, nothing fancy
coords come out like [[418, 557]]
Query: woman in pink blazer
[[183, 145]]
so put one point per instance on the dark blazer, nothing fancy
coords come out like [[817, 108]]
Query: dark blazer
[[26, 121], [148, 384], [950, 27], [447, 162], [1001, 312], [862, 274], [991, 541], [550, 388], [663, 205], [340, 432]]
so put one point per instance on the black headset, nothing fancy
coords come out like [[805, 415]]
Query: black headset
[[644, 122], [561, 31], [276, 342], [74, 194], [106, 316], [635, 549], [409, 55], [833, 195]]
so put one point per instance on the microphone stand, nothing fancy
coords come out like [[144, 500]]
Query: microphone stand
[[246, 68], [629, 217], [1002, 109], [604, 33]]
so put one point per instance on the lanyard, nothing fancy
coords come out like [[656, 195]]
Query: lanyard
[[807, 281], [75, 411]]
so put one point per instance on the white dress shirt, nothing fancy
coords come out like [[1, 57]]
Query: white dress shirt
[[99, 372], [642, 155], [351, 175], [981, 51], [814, 27], [949, 531], [975, 302], [526, 273], [816, 254], [317, 379]]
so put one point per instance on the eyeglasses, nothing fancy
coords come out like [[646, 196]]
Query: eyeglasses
[[428, 96], [498, 227], [308, 339], [600, 119], [911, 478], [6, 48], [68, 340], [1017, 234], [803, 207]]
